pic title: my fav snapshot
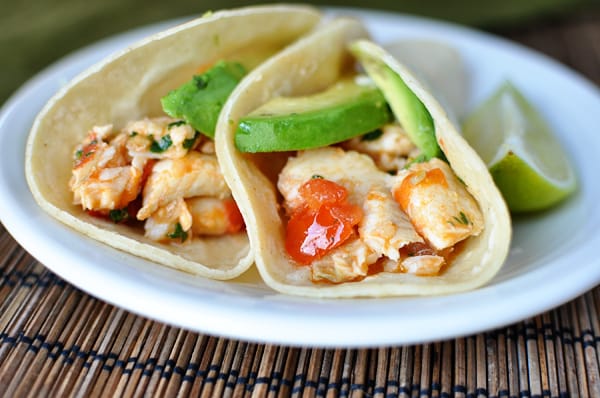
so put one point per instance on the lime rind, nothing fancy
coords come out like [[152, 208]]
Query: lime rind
[[524, 157]]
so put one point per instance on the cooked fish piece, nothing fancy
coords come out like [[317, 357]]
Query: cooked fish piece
[[354, 171], [345, 263], [214, 216], [385, 228], [169, 223], [102, 178], [437, 203], [428, 265], [193, 175], [389, 147], [160, 138]]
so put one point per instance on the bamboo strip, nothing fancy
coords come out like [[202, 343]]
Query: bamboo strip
[[346, 386], [594, 305], [132, 346], [491, 361], [225, 374], [381, 375], [336, 373], [371, 372], [323, 384], [254, 370], [86, 341], [359, 373], [460, 367], [214, 367], [170, 378], [73, 364], [193, 378], [480, 366], [447, 368], [147, 353], [591, 338], [393, 373], [471, 350], [550, 384], [300, 372], [248, 356], [20, 359], [502, 360], [523, 374], [15, 312], [112, 371], [75, 310], [578, 350], [277, 382], [559, 351], [289, 372], [102, 347], [264, 371], [204, 365], [36, 323], [415, 386], [406, 371], [163, 362], [9, 266], [569, 355], [313, 372], [233, 378], [533, 358], [425, 375], [512, 361]]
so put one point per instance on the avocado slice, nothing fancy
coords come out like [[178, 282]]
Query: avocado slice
[[408, 109], [345, 110], [199, 101]]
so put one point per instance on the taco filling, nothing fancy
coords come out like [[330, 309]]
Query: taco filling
[[365, 206], [157, 171], [357, 185]]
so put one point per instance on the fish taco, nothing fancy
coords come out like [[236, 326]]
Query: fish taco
[[353, 183], [125, 154]]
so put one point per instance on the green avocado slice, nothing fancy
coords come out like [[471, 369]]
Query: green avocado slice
[[199, 101], [345, 110], [408, 109]]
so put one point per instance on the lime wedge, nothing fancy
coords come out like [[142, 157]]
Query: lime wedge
[[524, 157]]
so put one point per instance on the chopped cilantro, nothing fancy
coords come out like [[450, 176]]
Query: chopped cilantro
[[462, 219], [189, 142], [175, 124], [133, 133], [201, 81], [179, 233], [118, 215], [372, 136], [317, 176], [162, 145], [78, 154]]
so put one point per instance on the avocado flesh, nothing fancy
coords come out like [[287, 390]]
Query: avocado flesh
[[408, 109], [199, 101], [345, 110]]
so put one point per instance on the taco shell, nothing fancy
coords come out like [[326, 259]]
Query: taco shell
[[128, 86], [308, 66]]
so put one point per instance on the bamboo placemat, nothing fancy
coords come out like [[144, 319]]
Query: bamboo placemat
[[56, 340]]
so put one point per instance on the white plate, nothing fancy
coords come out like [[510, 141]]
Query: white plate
[[554, 256]]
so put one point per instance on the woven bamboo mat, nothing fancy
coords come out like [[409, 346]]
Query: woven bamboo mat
[[56, 340]]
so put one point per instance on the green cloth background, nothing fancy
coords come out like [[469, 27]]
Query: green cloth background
[[34, 33]]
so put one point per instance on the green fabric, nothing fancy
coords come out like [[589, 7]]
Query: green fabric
[[35, 33]]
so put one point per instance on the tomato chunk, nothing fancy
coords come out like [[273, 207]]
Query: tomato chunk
[[234, 217], [325, 221]]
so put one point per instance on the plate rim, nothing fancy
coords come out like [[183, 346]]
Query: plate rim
[[283, 333]]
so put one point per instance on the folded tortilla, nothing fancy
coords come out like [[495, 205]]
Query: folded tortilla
[[128, 86], [308, 66]]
